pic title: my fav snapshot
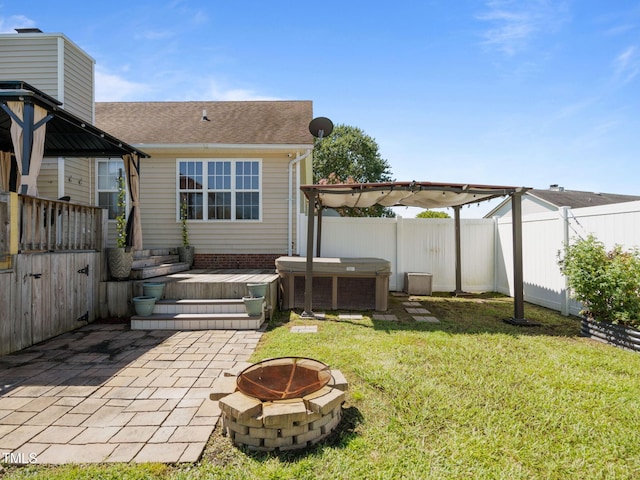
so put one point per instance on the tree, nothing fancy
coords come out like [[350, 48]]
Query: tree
[[348, 155], [432, 214]]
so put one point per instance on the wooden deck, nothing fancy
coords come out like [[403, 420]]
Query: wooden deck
[[215, 284]]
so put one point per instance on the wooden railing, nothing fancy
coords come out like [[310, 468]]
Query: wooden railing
[[56, 225]]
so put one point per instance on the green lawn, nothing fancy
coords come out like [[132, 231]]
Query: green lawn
[[470, 397]]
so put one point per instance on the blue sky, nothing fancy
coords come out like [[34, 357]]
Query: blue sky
[[524, 92]]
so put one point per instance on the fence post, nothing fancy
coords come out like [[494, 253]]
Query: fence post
[[564, 225]]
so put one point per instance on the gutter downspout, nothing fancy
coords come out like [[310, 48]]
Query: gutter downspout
[[293, 162]]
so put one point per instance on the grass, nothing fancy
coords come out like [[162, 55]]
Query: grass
[[470, 397]]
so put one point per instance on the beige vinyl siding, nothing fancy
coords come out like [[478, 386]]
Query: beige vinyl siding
[[48, 178], [78, 180], [78, 82], [31, 59], [36, 59], [161, 228]]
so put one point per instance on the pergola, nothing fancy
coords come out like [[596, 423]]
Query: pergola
[[33, 125], [414, 194]]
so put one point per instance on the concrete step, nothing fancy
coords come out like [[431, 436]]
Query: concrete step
[[154, 260], [158, 270], [197, 321], [200, 306]]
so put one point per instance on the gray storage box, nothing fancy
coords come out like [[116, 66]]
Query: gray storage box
[[418, 283]]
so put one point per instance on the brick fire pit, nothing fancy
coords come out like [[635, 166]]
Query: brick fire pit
[[273, 424]]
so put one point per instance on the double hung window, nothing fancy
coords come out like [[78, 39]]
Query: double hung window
[[109, 170], [221, 189]]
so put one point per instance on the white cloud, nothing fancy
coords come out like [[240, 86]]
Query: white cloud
[[515, 23], [627, 65], [9, 24], [112, 88], [211, 89]]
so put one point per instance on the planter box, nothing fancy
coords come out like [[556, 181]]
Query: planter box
[[618, 335]]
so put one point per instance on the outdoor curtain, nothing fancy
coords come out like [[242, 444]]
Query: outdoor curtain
[[5, 170], [134, 223], [37, 150]]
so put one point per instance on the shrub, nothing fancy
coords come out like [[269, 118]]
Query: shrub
[[121, 217], [606, 283]]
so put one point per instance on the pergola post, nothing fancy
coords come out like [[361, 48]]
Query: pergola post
[[308, 277], [518, 283], [456, 215], [319, 234]]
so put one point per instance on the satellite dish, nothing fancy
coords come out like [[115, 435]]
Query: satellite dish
[[321, 127]]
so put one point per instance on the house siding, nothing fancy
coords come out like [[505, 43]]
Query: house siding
[[53, 64], [78, 82], [78, 180], [48, 178], [33, 59], [161, 228]]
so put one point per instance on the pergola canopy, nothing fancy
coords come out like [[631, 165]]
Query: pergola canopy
[[67, 135], [409, 194], [33, 125], [415, 194]]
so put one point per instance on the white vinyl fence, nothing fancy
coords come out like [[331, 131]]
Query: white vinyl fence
[[428, 245]]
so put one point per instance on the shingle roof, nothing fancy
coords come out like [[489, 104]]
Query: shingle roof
[[579, 199], [236, 123]]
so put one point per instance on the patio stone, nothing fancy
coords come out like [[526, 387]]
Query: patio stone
[[382, 316], [130, 409], [426, 319], [417, 310]]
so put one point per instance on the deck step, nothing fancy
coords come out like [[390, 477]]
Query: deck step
[[199, 306], [153, 252], [158, 270], [197, 321], [154, 260]]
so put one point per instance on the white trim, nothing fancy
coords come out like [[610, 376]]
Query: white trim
[[219, 146], [61, 96]]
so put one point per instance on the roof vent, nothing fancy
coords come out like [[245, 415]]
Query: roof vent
[[556, 188], [28, 30], [204, 116]]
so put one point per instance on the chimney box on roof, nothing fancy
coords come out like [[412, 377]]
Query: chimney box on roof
[[556, 188], [28, 30]]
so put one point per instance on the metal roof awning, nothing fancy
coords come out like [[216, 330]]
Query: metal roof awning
[[67, 135], [415, 194]]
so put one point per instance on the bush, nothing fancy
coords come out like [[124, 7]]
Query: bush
[[606, 283]]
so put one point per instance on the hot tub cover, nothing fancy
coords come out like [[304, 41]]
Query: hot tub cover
[[333, 265]]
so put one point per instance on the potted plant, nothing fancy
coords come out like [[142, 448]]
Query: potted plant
[[607, 283], [185, 251], [120, 258]]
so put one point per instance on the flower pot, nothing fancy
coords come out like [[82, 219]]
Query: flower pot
[[253, 305], [186, 254], [120, 261], [144, 305], [153, 289], [257, 289]]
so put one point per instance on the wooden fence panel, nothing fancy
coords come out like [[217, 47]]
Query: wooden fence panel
[[45, 295]]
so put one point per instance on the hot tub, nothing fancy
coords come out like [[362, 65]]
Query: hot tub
[[338, 283]]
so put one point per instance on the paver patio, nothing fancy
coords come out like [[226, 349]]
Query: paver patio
[[104, 393]]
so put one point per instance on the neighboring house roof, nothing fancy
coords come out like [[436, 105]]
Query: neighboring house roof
[[578, 199], [556, 197], [229, 123]]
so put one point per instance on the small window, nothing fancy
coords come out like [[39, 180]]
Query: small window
[[108, 173]]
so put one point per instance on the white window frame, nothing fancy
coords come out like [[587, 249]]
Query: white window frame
[[99, 190], [205, 190]]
